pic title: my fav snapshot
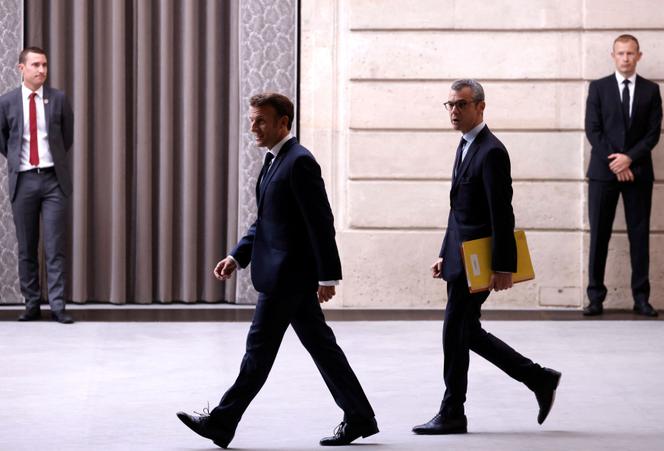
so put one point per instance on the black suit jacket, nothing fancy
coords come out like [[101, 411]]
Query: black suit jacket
[[605, 127], [291, 246], [60, 125], [481, 206]]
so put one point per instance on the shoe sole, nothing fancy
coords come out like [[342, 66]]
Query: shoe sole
[[365, 435], [647, 315], [35, 317], [449, 432]]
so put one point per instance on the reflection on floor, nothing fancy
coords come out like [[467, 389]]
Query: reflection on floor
[[117, 386]]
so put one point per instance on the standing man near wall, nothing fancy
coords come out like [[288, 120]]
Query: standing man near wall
[[36, 133], [295, 266], [623, 125], [480, 206]]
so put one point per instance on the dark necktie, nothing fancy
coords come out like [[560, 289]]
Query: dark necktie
[[266, 166], [34, 149], [625, 102], [459, 154]]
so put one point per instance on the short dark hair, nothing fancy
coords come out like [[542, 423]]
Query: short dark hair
[[627, 38], [281, 104], [474, 85], [25, 51]]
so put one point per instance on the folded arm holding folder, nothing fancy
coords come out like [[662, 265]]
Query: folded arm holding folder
[[476, 256]]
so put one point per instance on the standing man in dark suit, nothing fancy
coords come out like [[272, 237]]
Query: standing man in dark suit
[[36, 133], [480, 206], [623, 124], [295, 266]]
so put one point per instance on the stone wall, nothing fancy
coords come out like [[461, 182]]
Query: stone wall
[[375, 75]]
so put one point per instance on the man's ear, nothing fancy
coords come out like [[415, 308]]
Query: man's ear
[[283, 121]]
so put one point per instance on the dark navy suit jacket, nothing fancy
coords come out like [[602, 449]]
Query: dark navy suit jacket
[[481, 206], [605, 127], [60, 125], [291, 246]]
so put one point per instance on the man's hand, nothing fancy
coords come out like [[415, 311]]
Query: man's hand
[[224, 269], [437, 268], [501, 281], [619, 163], [325, 293], [625, 176]]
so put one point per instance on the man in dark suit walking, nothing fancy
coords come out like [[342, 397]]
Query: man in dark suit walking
[[480, 206], [36, 132], [623, 124], [295, 266]]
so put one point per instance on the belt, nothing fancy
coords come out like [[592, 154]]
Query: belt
[[39, 170]]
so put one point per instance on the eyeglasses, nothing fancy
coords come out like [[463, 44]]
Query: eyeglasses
[[460, 104]]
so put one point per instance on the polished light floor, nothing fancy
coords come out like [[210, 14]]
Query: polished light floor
[[117, 386]]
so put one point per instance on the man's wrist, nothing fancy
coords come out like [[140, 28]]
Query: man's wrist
[[328, 283]]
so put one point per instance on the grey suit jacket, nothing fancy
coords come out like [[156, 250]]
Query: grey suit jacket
[[60, 126]]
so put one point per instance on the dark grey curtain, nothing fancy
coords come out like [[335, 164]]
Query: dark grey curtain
[[153, 84]]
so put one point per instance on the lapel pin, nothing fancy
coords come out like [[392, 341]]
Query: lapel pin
[[45, 101]]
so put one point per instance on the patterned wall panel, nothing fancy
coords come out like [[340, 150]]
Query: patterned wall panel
[[11, 21], [268, 62]]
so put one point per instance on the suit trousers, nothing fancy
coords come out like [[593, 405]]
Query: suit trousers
[[272, 317], [38, 195], [463, 332], [602, 203]]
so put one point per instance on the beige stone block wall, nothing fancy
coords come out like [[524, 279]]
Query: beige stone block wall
[[449, 14], [374, 76], [417, 105], [427, 55]]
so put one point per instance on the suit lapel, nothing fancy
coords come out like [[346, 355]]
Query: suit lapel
[[470, 154], [18, 103], [261, 187], [637, 99], [615, 96], [48, 106]]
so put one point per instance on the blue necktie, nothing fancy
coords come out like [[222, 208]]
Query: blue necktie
[[459, 155], [265, 168]]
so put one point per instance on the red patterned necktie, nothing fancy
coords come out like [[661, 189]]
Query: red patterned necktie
[[34, 150]]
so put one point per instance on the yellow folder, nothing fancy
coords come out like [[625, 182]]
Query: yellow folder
[[477, 261]]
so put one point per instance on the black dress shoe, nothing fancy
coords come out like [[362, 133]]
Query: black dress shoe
[[441, 424], [593, 309], [546, 393], [62, 317], [645, 309], [345, 433], [203, 426], [30, 314]]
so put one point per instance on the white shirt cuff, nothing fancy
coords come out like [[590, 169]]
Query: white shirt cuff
[[328, 283]]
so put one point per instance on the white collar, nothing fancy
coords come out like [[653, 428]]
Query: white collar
[[27, 91], [472, 134], [277, 147], [631, 79]]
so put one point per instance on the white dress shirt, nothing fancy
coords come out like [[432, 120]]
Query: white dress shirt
[[45, 157]]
